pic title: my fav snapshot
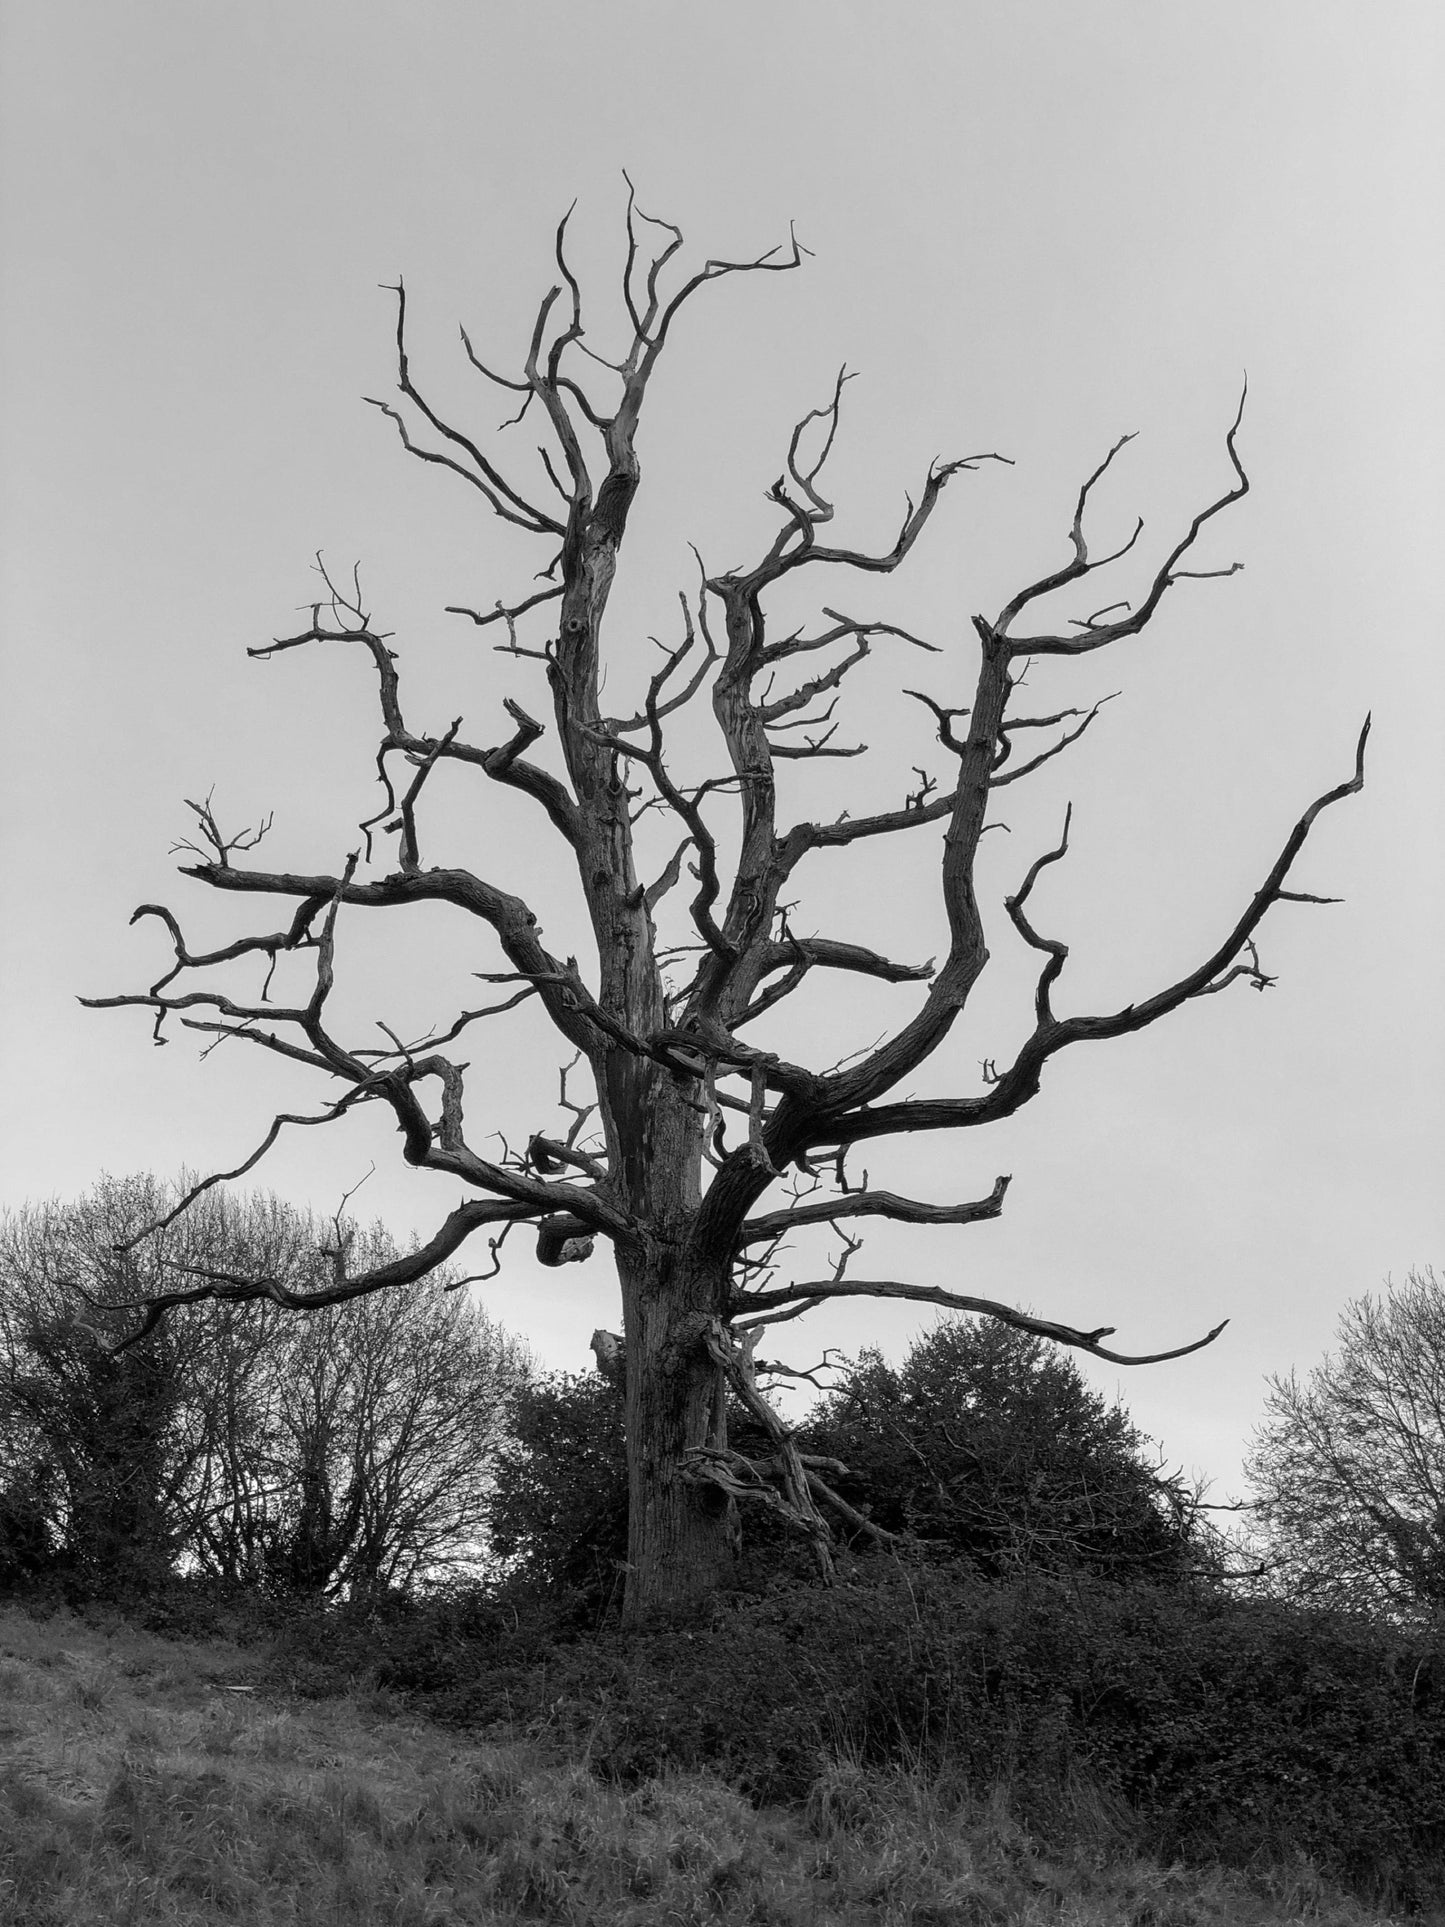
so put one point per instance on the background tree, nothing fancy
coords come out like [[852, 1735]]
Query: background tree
[[385, 1423], [1350, 1464], [986, 1441], [702, 1105], [349, 1451], [104, 1442]]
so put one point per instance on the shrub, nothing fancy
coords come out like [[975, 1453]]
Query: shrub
[[557, 1516], [1229, 1728], [1218, 1728], [988, 1442], [29, 1546]]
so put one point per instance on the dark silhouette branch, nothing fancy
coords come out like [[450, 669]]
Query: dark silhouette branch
[[824, 1290], [1020, 1082], [501, 497], [873, 1204], [1097, 634], [236, 1289]]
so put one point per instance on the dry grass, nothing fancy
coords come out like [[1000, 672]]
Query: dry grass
[[152, 1781]]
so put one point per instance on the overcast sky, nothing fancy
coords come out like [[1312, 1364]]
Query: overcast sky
[[1034, 227]]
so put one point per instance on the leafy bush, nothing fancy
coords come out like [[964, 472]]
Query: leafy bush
[[84, 1501], [985, 1442], [1229, 1728], [29, 1547], [1213, 1728], [988, 1442], [1238, 1723]]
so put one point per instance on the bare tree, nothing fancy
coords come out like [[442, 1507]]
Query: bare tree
[[344, 1452], [1350, 1464], [695, 1123], [126, 1443], [384, 1421]]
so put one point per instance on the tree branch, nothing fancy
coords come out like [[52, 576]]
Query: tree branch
[[1087, 1341], [1017, 1085], [1027, 769], [1096, 634], [503, 763], [873, 1204], [233, 1288], [504, 500]]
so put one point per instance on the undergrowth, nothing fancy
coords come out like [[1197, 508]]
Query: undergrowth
[[153, 1779], [1239, 1731]]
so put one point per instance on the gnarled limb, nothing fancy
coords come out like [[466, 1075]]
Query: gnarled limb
[[504, 500], [232, 1287], [1069, 736], [1020, 1082], [821, 1291], [1095, 633], [795, 1496], [798, 955], [504, 764], [874, 1204]]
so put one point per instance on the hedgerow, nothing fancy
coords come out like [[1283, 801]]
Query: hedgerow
[[1228, 1729]]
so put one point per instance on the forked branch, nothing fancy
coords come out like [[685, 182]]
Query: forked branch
[[1015, 1086], [1094, 632]]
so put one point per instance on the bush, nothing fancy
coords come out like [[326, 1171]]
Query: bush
[[988, 1442], [464, 1652], [985, 1442], [1230, 1729], [1237, 1730], [1239, 1724], [557, 1516], [29, 1545]]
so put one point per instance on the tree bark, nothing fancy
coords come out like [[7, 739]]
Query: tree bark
[[680, 1534], [680, 1541]]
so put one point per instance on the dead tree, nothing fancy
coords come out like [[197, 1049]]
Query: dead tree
[[694, 1123]]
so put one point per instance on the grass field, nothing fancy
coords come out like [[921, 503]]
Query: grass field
[[155, 1780]]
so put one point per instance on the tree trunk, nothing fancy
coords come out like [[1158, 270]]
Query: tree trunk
[[680, 1534]]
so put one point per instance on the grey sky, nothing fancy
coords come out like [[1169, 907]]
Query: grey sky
[[1035, 227]]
